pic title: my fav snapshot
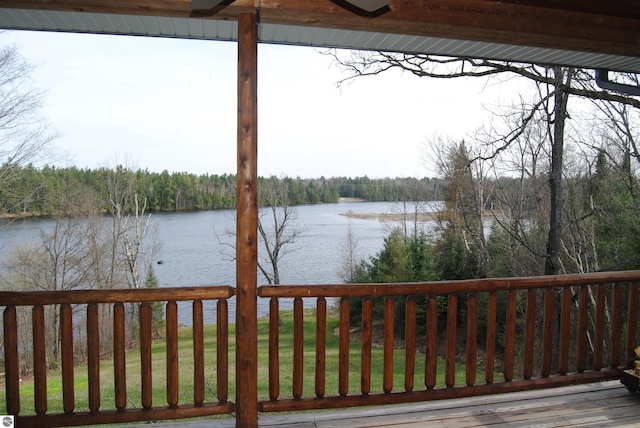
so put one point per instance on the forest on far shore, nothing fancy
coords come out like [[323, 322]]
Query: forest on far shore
[[49, 190]]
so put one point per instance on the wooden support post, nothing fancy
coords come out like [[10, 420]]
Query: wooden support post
[[247, 224]]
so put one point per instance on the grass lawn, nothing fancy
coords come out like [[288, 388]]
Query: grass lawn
[[54, 381]]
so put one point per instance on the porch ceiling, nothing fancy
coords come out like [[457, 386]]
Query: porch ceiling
[[586, 34]]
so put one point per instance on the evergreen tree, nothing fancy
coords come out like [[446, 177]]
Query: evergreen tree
[[402, 259]]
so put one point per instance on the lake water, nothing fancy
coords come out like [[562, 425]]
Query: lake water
[[196, 251]]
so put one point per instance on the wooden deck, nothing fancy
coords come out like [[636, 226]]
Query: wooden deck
[[590, 405]]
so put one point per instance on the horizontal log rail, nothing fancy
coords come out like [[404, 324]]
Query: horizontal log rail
[[537, 332], [116, 310], [446, 287], [115, 295]]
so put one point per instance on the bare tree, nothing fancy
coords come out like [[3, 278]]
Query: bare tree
[[276, 226], [278, 231], [350, 260], [134, 238], [133, 233], [120, 182], [60, 261], [24, 136]]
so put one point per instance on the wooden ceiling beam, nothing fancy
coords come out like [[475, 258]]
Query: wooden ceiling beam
[[619, 8], [610, 27]]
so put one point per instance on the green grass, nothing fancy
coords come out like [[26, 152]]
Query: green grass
[[185, 347]]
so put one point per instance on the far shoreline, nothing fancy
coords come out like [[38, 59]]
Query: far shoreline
[[421, 217], [340, 200]]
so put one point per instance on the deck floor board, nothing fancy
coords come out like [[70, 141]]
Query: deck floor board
[[601, 404]]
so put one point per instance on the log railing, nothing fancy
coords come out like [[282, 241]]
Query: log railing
[[454, 339], [126, 406], [540, 332]]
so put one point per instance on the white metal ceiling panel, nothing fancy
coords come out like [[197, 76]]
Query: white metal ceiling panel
[[338, 38], [196, 28], [150, 25], [104, 23], [321, 36], [136, 24], [283, 32], [180, 27], [165, 26], [89, 23], [73, 21], [56, 21]]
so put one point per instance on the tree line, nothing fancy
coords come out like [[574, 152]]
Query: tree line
[[42, 191]]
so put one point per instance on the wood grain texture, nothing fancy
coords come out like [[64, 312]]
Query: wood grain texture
[[247, 222]]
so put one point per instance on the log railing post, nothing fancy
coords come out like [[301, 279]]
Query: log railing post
[[530, 332], [472, 338], [198, 352], [274, 349], [431, 345], [321, 343], [343, 348], [367, 343], [39, 360], [450, 353], [490, 349], [146, 372], [510, 339], [119, 359], [66, 332], [11, 360], [298, 347], [410, 343], [222, 349], [247, 224], [93, 357], [632, 324]]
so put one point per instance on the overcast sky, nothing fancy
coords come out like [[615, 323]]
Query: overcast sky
[[171, 104]]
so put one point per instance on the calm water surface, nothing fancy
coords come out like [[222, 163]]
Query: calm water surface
[[196, 251]]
